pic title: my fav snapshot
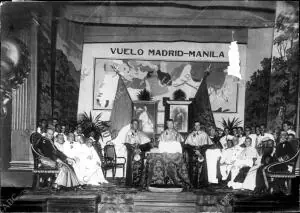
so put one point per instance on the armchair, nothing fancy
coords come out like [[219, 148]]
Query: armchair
[[45, 169], [274, 170]]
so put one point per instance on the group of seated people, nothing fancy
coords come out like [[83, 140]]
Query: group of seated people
[[239, 159], [235, 158], [78, 161]]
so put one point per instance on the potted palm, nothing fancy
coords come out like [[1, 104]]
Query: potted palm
[[231, 124], [90, 124]]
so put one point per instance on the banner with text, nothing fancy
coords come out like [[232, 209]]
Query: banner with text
[[172, 51]]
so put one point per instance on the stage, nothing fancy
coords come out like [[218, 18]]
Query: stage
[[117, 198]]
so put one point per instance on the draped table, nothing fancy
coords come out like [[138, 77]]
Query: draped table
[[166, 170]]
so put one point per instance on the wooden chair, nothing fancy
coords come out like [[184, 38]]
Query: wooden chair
[[45, 169], [274, 171], [111, 161]]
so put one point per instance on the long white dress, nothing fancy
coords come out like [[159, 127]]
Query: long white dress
[[250, 180], [88, 169]]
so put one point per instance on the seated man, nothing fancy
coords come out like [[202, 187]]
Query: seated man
[[136, 143], [283, 152], [170, 140], [66, 176], [228, 157], [196, 145], [245, 159]]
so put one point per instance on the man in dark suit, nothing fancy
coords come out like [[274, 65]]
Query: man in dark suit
[[66, 176]]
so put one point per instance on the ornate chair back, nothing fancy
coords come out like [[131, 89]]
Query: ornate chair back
[[43, 166], [275, 170]]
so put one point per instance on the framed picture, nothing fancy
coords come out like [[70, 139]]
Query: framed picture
[[146, 113], [179, 112]]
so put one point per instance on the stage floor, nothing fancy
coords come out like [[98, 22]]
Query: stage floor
[[117, 198]]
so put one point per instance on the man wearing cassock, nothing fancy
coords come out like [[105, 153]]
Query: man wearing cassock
[[196, 145], [137, 143], [170, 140]]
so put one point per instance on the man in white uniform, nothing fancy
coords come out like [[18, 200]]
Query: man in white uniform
[[246, 158], [228, 157]]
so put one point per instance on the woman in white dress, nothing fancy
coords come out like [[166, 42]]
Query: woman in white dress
[[89, 169]]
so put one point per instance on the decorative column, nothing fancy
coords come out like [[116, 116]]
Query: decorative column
[[24, 108]]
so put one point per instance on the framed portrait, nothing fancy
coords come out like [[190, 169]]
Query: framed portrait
[[179, 112], [146, 113]]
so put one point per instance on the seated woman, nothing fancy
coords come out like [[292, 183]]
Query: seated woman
[[66, 176], [88, 165], [170, 140]]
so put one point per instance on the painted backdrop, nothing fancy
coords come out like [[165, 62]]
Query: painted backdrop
[[162, 79]]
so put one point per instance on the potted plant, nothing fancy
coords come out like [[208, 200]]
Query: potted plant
[[179, 95], [144, 95], [91, 124]]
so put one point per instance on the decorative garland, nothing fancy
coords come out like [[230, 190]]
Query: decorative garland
[[15, 68]]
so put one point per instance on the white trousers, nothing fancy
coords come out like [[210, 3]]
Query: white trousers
[[212, 157]]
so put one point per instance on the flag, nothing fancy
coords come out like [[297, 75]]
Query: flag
[[201, 108], [122, 107]]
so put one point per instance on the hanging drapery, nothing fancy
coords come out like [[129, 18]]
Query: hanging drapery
[[122, 108]]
